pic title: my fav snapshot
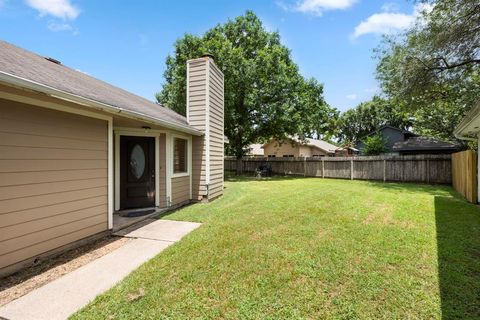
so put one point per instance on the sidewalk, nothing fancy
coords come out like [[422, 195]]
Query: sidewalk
[[66, 295]]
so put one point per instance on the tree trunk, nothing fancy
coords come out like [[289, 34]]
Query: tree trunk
[[239, 171]]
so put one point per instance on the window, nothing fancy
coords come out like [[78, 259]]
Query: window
[[271, 156], [288, 155], [179, 155]]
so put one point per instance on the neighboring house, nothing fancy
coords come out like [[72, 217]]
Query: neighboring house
[[74, 150], [293, 147], [424, 145], [255, 150], [391, 135], [404, 142]]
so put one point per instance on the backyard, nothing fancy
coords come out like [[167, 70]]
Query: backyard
[[312, 248]]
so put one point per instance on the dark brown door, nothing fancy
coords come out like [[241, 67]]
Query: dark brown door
[[137, 172]]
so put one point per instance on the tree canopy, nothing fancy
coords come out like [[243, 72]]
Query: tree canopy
[[265, 94], [356, 123], [433, 70]]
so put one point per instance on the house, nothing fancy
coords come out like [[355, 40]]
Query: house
[[424, 145], [404, 142], [391, 135], [294, 147], [75, 151], [255, 150]]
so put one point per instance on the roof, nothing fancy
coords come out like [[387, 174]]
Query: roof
[[406, 132], [420, 143], [328, 147], [256, 149], [30, 67], [470, 124]]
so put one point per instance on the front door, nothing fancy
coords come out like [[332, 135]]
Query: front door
[[137, 172]]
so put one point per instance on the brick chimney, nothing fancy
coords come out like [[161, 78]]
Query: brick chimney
[[205, 112]]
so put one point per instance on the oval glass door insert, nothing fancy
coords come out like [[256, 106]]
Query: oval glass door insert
[[137, 161]]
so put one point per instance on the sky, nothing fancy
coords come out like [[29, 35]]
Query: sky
[[126, 42]]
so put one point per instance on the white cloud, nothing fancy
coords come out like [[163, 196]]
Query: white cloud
[[389, 22], [352, 96], [317, 7], [61, 9]]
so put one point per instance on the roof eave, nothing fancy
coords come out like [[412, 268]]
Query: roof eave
[[99, 106], [471, 116]]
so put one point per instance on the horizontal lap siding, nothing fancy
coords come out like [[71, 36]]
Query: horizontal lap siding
[[216, 132], [53, 180], [180, 189]]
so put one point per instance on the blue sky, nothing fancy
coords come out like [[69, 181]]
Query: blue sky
[[126, 42]]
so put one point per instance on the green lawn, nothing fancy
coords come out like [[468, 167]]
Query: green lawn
[[312, 248]]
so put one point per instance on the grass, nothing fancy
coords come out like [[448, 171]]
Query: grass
[[306, 248]]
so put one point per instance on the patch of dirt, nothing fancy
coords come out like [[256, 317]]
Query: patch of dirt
[[20, 283]]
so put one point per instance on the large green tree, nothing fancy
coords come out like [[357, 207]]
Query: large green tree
[[433, 70], [356, 123], [265, 94]]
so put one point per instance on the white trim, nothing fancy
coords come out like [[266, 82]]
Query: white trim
[[169, 167], [157, 170], [52, 105], [207, 126], [189, 155], [188, 93], [138, 130], [56, 93], [189, 163], [135, 133], [110, 174]]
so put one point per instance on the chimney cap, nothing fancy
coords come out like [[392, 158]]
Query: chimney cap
[[208, 55]]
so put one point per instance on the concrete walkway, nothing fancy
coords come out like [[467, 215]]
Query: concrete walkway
[[64, 296]]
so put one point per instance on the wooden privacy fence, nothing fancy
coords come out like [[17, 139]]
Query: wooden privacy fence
[[413, 168], [464, 174]]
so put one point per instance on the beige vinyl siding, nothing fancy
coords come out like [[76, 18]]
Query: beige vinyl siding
[[162, 190], [198, 168], [216, 132], [209, 119], [180, 189], [53, 180]]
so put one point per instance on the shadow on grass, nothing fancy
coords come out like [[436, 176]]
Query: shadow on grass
[[458, 242]]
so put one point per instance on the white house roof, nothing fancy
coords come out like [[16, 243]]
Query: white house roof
[[328, 147]]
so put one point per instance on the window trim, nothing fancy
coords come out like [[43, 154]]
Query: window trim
[[189, 156]]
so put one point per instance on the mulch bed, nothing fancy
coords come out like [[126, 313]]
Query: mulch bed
[[18, 284]]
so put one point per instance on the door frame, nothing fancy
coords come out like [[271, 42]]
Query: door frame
[[133, 133]]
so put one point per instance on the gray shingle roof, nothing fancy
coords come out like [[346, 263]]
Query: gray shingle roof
[[30, 66], [424, 144]]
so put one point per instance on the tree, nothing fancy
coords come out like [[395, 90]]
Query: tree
[[433, 70], [356, 123], [374, 145], [265, 95]]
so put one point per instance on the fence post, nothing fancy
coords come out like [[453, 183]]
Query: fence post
[[428, 170], [351, 169], [323, 169], [384, 170], [304, 166]]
